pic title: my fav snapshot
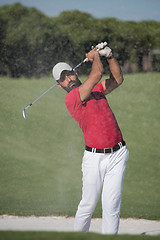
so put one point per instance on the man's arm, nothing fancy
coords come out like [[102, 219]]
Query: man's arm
[[94, 77], [116, 76]]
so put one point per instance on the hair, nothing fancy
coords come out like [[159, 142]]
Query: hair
[[65, 73]]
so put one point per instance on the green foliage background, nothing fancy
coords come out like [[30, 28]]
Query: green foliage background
[[32, 43]]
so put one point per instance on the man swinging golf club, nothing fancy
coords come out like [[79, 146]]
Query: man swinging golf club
[[106, 154]]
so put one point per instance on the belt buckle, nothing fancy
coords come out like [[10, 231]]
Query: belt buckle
[[106, 149]]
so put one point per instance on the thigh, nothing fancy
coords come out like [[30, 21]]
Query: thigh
[[113, 181], [92, 177]]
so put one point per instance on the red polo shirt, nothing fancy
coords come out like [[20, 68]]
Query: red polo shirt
[[95, 118]]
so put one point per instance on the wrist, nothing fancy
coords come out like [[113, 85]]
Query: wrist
[[110, 57], [96, 56]]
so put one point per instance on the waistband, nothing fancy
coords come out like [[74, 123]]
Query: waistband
[[106, 150]]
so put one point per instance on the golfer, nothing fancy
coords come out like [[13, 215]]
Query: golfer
[[106, 154]]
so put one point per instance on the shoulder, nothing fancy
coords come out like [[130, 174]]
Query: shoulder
[[98, 87]]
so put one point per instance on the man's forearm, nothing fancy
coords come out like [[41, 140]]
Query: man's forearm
[[94, 77], [115, 70], [97, 67]]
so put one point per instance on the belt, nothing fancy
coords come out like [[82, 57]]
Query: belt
[[106, 150]]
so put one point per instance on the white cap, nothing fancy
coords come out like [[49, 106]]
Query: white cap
[[58, 68]]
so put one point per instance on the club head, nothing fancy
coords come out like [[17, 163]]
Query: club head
[[24, 113]]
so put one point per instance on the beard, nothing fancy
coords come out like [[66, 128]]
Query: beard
[[72, 84]]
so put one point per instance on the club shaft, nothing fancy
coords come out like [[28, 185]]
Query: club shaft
[[80, 63], [40, 96]]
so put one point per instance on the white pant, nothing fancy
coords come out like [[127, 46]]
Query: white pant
[[99, 170]]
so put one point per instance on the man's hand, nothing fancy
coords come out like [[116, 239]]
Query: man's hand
[[101, 45], [103, 49], [92, 54], [105, 52]]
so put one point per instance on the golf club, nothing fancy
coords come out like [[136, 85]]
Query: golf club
[[24, 110]]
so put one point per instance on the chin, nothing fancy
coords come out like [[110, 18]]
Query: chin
[[77, 84]]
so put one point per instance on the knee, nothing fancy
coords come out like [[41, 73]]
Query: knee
[[88, 206], [112, 207]]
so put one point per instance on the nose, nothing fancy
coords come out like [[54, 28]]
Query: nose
[[68, 79]]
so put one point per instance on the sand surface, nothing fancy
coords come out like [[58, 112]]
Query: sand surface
[[65, 224]]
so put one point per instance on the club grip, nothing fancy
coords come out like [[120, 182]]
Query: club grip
[[85, 60]]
